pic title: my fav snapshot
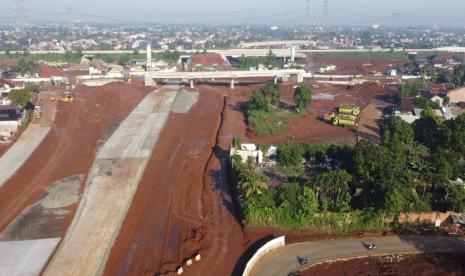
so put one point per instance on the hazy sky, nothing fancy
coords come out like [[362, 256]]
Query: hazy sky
[[412, 12]]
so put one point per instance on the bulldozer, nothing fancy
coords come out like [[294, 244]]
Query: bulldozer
[[67, 98]]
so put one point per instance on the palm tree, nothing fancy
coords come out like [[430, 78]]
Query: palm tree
[[251, 182]]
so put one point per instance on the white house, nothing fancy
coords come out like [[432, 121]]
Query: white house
[[10, 120], [247, 151]]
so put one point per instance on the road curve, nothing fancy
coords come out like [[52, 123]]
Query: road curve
[[284, 260]]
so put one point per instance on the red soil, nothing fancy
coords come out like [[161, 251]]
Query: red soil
[[363, 66], [80, 128], [436, 264]]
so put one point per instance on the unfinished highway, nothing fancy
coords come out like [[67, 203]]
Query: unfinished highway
[[109, 189]]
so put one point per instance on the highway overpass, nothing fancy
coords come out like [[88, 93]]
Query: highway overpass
[[151, 78], [257, 52]]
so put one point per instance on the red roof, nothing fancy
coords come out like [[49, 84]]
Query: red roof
[[406, 105]]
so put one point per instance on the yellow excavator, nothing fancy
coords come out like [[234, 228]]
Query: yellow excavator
[[67, 98], [53, 98]]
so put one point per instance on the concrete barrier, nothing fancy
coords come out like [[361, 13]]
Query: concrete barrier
[[269, 246]]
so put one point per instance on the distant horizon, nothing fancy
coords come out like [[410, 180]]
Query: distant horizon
[[242, 12]]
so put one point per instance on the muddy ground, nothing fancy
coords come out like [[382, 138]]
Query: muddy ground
[[435, 264], [183, 204], [69, 149], [356, 65]]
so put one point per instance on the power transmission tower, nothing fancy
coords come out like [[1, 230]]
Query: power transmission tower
[[70, 23], [307, 9], [325, 14], [19, 13], [395, 17]]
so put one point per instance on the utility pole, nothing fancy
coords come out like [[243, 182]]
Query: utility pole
[[19, 13]]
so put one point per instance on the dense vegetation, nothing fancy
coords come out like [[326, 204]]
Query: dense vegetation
[[267, 116], [415, 168], [270, 61]]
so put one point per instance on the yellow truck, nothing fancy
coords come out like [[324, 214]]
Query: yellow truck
[[350, 110], [67, 98]]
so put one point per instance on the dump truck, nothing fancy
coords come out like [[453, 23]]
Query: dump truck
[[37, 112], [344, 121], [349, 109], [340, 119]]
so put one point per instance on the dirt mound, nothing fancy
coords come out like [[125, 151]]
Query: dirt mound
[[70, 147]]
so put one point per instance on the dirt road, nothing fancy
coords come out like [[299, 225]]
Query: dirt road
[[29, 140], [67, 150], [182, 206], [110, 187], [284, 260]]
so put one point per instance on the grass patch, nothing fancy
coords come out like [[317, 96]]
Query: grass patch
[[267, 123]]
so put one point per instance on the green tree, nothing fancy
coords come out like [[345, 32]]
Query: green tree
[[20, 97], [395, 130], [258, 101], [251, 182], [302, 98], [272, 93], [427, 129], [456, 134], [290, 155], [332, 190]]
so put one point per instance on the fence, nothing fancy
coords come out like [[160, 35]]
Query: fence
[[269, 246]]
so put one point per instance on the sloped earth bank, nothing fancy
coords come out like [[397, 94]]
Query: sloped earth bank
[[424, 264], [69, 149], [182, 205]]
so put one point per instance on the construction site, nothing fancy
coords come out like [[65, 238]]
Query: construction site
[[130, 180]]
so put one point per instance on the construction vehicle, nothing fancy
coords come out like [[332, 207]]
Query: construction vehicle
[[344, 120], [350, 109], [37, 112], [53, 98], [67, 98]]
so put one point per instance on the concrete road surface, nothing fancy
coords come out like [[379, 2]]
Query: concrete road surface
[[284, 260], [29, 140], [110, 186]]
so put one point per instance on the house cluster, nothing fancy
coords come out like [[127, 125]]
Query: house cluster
[[451, 102]]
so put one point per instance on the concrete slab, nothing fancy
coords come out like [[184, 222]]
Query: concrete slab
[[15, 157], [39, 220], [110, 187], [29, 140], [25, 257], [184, 101]]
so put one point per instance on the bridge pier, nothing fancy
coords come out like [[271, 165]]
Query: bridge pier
[[276, 80], [231, 85], [149, 81], [191, 83]]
